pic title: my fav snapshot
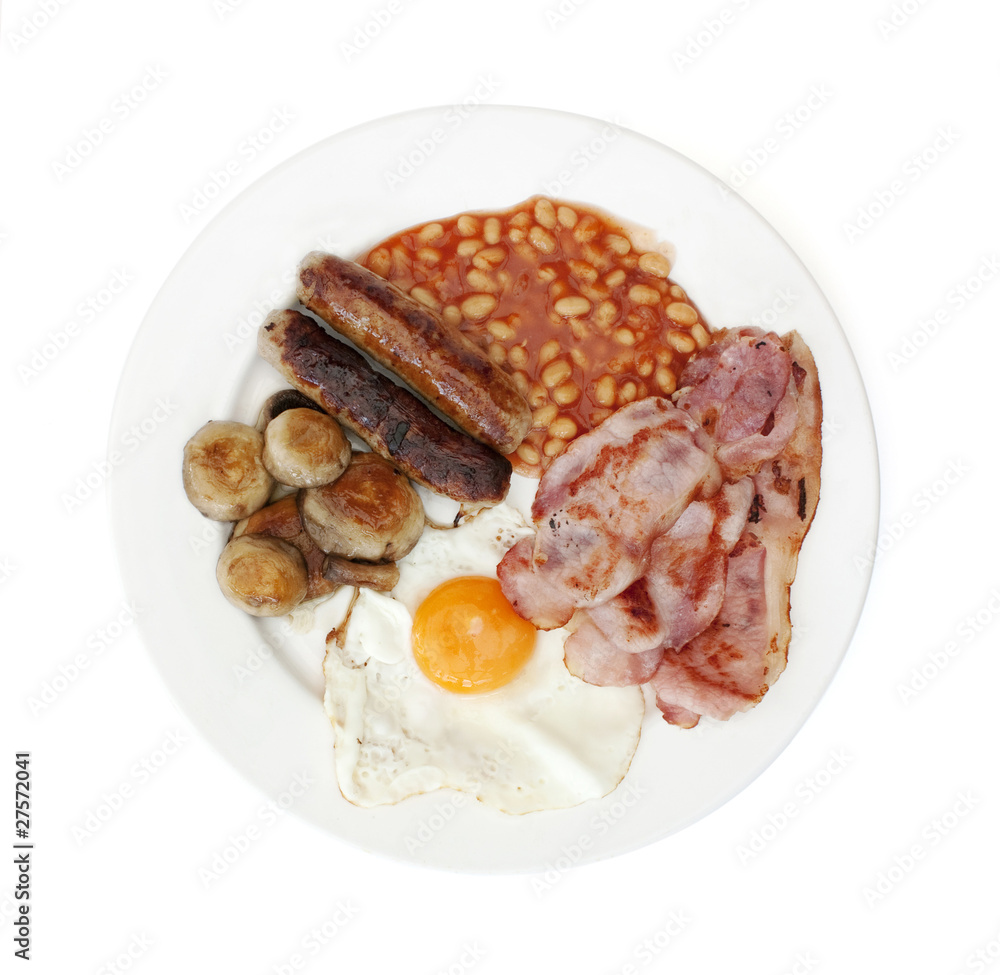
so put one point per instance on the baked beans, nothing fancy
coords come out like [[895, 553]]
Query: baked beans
[[557, 295]]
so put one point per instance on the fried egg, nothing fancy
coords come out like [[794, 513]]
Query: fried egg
[[439, 684]]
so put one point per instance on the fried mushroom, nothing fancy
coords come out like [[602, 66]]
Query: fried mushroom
[[279, 402], [262, 575], [281, 519], [371, 512], [224, 473], [305, 448]]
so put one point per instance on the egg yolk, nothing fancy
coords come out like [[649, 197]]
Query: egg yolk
[[467, 637]]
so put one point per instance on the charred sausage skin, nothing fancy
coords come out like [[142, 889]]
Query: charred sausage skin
[[433, 358], [391, 420]]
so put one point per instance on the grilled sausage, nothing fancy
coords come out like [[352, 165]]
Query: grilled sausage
[[432, 357], [391, 420]]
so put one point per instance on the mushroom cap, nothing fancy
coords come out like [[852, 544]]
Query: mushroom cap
[[284, 399], [281, 519], [305, 448], [371, 512], [262, 575], [223, 471]]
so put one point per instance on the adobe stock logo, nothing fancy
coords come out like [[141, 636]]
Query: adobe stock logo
[[922, 502], [316, 939], [86, 313], [31, 25], [899, 16], [558, 14], [410, 160], [100, 471], [223, 8], [984, 956], [931, 837], [127, 101], [267, 815], [651, 947], [471, 956], [804, 794], [370, 30], [956, 299], [582, 158], [221, 177], [913, 170], [785, 128], [941, 658], [127, 957], [139, 774], [570, 854], [712, 28], [70, 671]]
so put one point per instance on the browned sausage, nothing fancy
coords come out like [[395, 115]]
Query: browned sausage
[[391, 420], [432, 357]]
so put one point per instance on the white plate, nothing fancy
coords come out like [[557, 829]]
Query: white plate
[[194, 359]]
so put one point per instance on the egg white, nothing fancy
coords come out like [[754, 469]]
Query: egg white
[[546, 740]]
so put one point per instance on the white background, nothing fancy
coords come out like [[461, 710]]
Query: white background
[[870, 844]]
